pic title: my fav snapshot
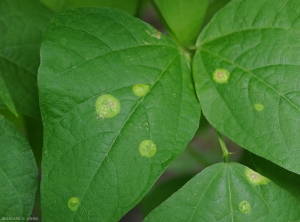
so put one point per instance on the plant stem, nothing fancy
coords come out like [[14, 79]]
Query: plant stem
[[223, 146]]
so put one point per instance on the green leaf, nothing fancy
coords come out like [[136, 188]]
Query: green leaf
[[228, 192], [18, 173], [22, 23], [287, 180], [129, 6], [6, 97], [246, 74], [182, 18], [118, 105]]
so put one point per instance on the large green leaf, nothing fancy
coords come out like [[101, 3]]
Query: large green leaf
[[118, 105], [18, 174], [182, 18], [246, 70], [228, 192], [129, 6], [22, 23]]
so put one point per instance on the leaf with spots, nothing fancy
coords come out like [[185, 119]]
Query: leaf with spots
[[22, 24], [257, 103], [118, 105], [229, 192], [285, 179], [18, 173]]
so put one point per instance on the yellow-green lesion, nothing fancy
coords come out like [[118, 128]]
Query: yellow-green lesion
[[245, 207], [147, 148], [259, 107], [140, 90], [221, 76], [107, 106], [73, 203], [255, 178]]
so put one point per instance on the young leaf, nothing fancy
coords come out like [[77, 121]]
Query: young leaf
[[246, 74], [118, 105], [129, 6], [228, 192], [22, 23], [6, 97], [18, 174], [182, 18]]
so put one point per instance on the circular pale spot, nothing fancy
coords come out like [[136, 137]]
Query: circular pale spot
[[107, 106], [259, 106], [255, 178], [73, 203], [147, 148], [245, 207], [221, 75], [140, 89]]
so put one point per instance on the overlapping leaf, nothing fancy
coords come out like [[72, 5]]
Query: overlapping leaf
[[228, 192], [246, 70], [18, 174], [96, 165], [22, 23]]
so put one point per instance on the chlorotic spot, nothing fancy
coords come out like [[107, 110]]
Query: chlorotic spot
[[245, 207], [259, 106], [255, 178], [147, 148], [107, 106], [73, 203], [140, 89], [221, 76]]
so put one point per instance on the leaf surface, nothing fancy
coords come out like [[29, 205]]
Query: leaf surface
[[182, 18], [104, 160], [246, 70], [22, 23], [228, 192], [129, 6], [285, 179], [18, 173]]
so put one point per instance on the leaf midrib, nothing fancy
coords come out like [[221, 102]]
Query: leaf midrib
[[122, 127]]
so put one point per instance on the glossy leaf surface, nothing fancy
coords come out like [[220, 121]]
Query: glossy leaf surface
[[228, 192], [18, 173], [100, 158], [246, 70]]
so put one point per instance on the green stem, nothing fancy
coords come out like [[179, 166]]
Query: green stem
[[223, 146]]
